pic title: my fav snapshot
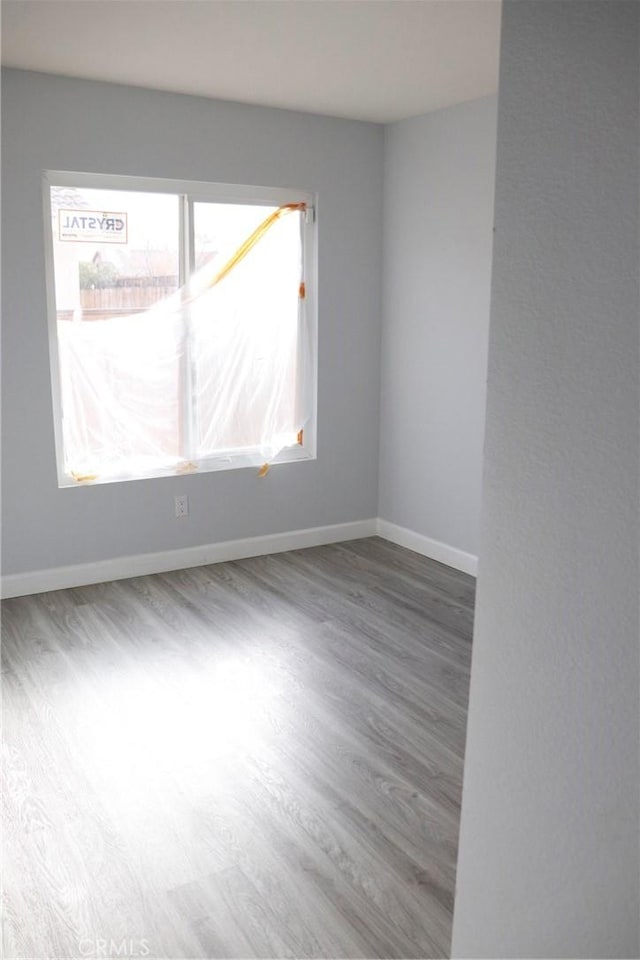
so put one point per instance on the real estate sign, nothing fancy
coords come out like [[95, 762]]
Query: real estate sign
[[92, 226]]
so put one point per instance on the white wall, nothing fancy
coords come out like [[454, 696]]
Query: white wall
[[63, 124], [549, 859], [438, 221]]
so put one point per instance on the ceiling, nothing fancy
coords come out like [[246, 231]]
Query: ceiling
[[377, 60]]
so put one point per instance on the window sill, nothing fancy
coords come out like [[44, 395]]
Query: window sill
[[227, 460]]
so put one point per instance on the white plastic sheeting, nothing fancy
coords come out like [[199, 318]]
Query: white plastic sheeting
[[214, 374]]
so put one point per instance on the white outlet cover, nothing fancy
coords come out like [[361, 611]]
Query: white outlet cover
[[181, 506]]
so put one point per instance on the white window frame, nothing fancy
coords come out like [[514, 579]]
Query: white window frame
[[195, 192]]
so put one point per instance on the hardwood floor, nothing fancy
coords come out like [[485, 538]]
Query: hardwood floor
[[253, 759]]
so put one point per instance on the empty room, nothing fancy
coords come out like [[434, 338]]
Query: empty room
[[320, 478]]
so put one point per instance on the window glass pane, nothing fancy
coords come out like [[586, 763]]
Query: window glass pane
[[245, 331], [115, 252], [115, 257]]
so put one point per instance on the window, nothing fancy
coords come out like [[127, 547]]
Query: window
[[182, 330]]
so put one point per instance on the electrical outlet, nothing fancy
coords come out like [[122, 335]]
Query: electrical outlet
[[181, 505]]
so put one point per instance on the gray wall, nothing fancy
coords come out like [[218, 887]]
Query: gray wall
[[439, 184], [57, 123], [549, 859]]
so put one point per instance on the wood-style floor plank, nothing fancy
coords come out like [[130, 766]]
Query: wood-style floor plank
[[252, 759]]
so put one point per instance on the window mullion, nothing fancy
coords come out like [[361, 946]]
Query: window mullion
[[185, 398]]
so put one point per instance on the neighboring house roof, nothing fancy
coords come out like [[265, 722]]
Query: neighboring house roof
[[146, 263], [139, 263]]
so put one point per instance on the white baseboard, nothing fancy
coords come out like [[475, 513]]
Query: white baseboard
[[119, 568], [433, 549]]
